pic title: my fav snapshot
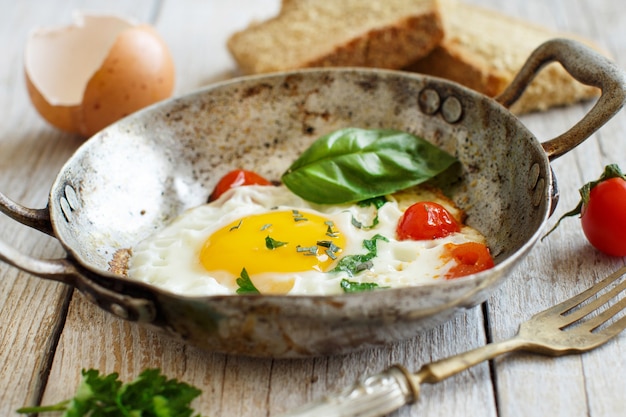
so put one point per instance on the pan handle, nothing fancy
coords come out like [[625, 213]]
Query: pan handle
[[586, 66], [64, 270], [36, 218]]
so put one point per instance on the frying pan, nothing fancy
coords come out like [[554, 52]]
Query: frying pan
[[138, 174]]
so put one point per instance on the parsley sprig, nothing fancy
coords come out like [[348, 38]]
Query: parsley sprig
[[272, 244], [352, 286], [377, 203], [245, 284], [353, 264], [150, 395]]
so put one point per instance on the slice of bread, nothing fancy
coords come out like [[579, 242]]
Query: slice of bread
[[323, 33], [483, 49]]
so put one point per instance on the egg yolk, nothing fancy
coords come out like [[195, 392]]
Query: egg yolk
[[278, 241]]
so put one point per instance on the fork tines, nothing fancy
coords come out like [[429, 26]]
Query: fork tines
[[573, 311]]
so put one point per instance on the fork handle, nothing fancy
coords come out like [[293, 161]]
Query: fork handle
[[375, 396], [445, 368], [387, 391]]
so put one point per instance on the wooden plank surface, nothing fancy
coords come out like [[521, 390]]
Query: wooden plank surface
[[32, 311], [48, 333]]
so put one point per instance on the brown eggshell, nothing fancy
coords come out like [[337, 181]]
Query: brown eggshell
[[63, 117], [83, 77], [137, 72]]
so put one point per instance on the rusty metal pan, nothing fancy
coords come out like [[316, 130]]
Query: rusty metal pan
[[138, 174]]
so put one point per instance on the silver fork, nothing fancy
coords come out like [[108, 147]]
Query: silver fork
[[559, 330]]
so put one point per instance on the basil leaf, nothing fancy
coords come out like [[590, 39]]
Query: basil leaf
[[354, 164]]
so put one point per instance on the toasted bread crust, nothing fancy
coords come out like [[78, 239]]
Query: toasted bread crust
[[315, 33], [483, 50], [479, 48]]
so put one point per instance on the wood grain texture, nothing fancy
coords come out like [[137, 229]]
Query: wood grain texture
[[47, 329], [564, 264]]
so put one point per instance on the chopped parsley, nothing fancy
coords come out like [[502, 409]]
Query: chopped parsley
[[331, 248], [357, 223], [351, 286], [377, 202], [307, 250], [237, 226], [273, 243], [151, 394], [329, 230], [353, 264], [298, 217], [328, 244], [245, 284]]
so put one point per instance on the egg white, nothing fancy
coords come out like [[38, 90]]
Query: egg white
[[170, 258]]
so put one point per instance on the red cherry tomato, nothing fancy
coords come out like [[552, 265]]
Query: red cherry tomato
[[471, 258], [424, 221], [603, 216], [237, 178]]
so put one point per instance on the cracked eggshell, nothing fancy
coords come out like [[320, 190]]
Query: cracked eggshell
[[83, 77]]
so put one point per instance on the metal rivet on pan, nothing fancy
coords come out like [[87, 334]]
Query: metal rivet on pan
[[429, 101], [452, 109], [538, 192], [66, 209], [533, 176], [69, 202], [71, 196]]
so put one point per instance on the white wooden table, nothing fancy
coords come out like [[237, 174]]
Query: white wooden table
[[48, 332]]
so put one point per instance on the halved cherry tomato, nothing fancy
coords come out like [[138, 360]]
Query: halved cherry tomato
[[237, 178], [603, 216], [471, 257], [426, 220]]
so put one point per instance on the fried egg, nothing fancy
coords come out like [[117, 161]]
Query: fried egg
[[270, 238]]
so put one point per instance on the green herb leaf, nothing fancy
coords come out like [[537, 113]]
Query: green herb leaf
[[151, 394], [236, 227], [351, 286], [307, 250], [329, 230], [298, 217], [356, 164], [353, 264], [96, 394], [377, 202], [273, 243], [245, 284]]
